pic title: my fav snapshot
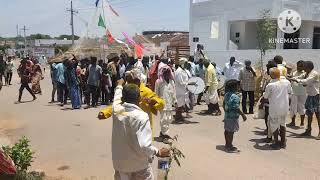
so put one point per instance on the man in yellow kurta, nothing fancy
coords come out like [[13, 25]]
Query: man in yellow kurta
[[149, 103], [211, 91]]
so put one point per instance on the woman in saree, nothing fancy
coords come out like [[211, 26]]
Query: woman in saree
[[73, 84], [36, 78]]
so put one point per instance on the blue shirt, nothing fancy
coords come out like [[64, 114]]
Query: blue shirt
[[94, 75], [200, 71], [53, 72], [231, 104], [60, 77]]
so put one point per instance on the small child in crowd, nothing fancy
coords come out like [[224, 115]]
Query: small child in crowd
[[231, 105]]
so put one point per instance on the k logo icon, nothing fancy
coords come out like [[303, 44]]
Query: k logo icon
[[289, 21]]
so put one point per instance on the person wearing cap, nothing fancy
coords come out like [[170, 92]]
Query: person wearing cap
[[248, 86], [149, 101], [181, 82], [211, 91], [132, 149], [278, 92]]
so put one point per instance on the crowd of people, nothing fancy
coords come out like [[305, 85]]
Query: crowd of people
[[135, 90]]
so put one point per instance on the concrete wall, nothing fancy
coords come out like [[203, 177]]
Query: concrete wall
[[226, 11], [290, 56]]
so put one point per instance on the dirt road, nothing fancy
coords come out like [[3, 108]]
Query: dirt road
[[75, 145]]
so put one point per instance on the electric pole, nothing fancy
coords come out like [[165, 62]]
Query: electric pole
[[25, 38], [72, 12]]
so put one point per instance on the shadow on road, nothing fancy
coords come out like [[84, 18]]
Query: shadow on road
[[298, 136], [265, 147], [222, 148], [184, 122], [23, 102], [259, 133]]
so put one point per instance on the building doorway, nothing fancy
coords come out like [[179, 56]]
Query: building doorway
[[291, 38], [316, 38]]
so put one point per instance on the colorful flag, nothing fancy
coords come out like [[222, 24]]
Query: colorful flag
[[121, 42], [114, 12], [138, 50], [97, 2], [101, 22], [110, 37], [129, 39]]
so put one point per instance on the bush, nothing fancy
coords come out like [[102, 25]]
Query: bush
[[21, 154]]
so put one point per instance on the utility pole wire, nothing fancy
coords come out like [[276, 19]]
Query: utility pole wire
[[25, 38], [72, 12]]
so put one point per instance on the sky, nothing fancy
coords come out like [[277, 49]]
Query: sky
[[50, 16]]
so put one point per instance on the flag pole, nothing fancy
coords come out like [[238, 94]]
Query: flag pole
[[104, 19]]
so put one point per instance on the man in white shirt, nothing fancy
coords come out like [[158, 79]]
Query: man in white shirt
[[132, 149], [277, 92], [232, 69], [298, 98], [311, 81], [181, 82]]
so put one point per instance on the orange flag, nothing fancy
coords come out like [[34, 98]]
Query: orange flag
[[138, 50], [110, 37]]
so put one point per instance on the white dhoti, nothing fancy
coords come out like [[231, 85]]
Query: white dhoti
[[211, 97], [145, 174], [274, 124], [166, 117], [298, 105], [183, 99]]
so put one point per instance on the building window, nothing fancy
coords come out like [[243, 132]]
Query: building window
[[237, 35], [195, 39], [199, 1], [214, 30], [316, 38]]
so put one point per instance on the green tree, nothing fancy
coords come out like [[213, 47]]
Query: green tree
[[68, 37], [39, 36], [266, 29]]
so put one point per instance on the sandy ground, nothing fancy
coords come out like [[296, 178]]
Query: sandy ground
[[75, 145]]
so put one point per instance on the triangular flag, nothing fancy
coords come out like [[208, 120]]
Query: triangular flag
[[97, 2], [110, 37], [114, 12], [101, 22], [121, 42], [130, 40], [138, 50]]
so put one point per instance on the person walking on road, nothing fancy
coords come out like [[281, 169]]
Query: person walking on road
[[25, 75]]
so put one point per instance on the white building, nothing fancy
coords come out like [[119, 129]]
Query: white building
[[228, 28]]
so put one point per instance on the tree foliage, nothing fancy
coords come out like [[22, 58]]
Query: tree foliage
[[39, 36], [68, 37], [266, 29]]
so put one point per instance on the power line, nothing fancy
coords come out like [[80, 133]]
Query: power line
[[25, 37]]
